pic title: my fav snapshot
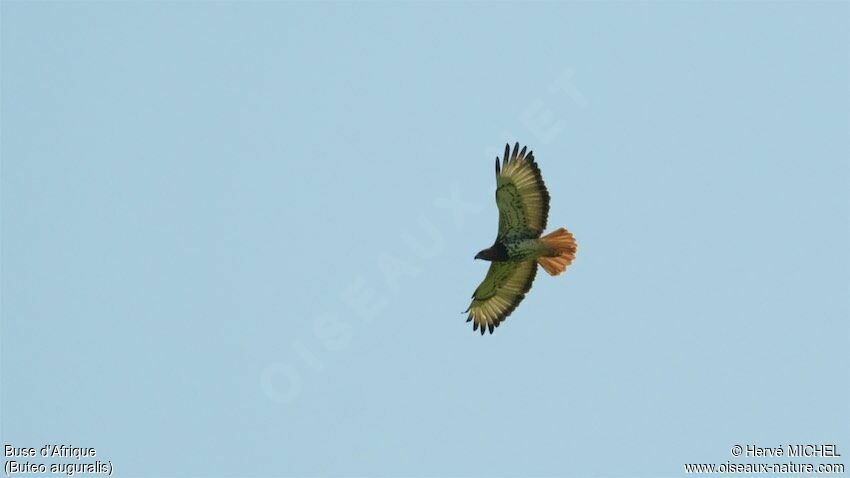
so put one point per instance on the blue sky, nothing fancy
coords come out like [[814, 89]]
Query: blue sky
[[237, 237]]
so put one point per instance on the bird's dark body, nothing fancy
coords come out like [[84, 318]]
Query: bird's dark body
[[498, 252], [512, 250]]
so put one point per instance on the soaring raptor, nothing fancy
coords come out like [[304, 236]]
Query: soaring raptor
[[523, 203]]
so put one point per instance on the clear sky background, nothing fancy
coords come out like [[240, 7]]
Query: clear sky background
[[237, 237]]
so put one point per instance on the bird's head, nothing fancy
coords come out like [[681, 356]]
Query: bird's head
[[495, 253]]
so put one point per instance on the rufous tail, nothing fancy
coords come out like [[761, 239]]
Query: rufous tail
[[563, 247]]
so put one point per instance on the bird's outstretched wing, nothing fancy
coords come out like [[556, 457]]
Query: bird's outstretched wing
[[502, 290], [521, 195]]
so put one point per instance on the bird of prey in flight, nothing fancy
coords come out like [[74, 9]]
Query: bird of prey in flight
[[523, 203]]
